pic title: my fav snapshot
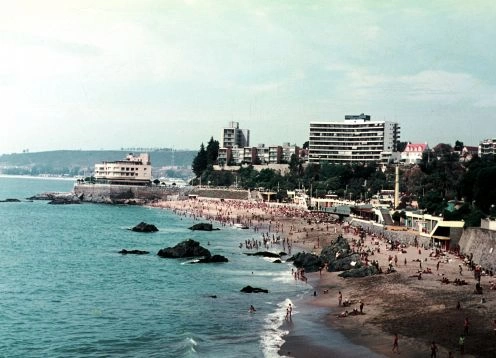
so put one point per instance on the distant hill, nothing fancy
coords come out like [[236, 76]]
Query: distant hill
[[74, 162]]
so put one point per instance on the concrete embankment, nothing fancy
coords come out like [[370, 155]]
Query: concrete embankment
[[481, 243], [105, 193]]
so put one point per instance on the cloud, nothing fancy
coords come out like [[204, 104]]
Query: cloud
[[441, 87]]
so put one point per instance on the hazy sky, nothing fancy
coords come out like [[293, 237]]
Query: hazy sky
[[108, 74]]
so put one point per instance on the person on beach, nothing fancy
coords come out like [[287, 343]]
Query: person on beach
[[340, 298], [466, 324], [433, 350], [461, 343], [361, 307], [396, 348]]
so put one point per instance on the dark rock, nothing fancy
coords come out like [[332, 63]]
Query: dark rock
[[264, 254], [144, 227], [360, 272], [212, 259], [134, 252], [277, 261], [65, 200], [10, 201], [212, 296], [339, 255], [49, 195], [309, 262], [188, 248], [249, 289], [203, 227], [282, 253]]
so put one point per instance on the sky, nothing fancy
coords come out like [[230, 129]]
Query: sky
[[111, 74]]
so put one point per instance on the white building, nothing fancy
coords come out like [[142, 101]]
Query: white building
[[487, 147], [413, 153], [233, 136], [356, 140], [132, 170]]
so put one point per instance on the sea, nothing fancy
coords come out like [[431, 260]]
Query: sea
[[65, 291]]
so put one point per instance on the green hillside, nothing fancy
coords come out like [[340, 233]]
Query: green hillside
[[76, 162]]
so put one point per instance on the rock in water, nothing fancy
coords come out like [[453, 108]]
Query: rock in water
[[264, 254], [307, 261], [188, 248], [203, 227], [133, 252], [249, 289], [212, 259], [144, 227]]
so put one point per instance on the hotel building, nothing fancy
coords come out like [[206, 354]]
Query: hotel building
[[136, 170], [356, 140]]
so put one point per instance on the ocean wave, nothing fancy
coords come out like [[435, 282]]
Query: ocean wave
[[272, 337]]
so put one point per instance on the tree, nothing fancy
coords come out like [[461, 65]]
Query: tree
[[200, 161], [400, 146], [458, 146], [212, 151]]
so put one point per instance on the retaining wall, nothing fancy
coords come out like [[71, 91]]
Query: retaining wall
[[105, 193], [481, 243]]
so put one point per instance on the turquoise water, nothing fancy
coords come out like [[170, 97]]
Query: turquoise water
[[65, 291]]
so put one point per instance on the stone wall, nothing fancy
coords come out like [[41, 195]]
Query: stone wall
[[482, 244], [404, 237], [105, 193]]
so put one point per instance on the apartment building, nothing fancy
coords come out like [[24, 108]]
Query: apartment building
[[233, 136], [487, 147], [357, 139]]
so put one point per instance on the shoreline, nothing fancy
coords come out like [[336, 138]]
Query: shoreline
[[418, 310]]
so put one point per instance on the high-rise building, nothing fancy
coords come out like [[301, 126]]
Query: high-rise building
[[357, 139], [233, 136]]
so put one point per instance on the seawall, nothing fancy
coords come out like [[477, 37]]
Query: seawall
[[106, 193], [481, 243]]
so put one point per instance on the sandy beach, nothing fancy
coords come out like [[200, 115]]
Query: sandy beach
[[420, 311]]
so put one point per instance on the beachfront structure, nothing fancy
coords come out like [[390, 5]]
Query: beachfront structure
[[134, 169], [357, 139], [233, 136], [487, 147], [413, 153]]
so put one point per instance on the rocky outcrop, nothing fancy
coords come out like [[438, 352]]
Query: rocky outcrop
[[309, 262], [277, 261], [212, 259], [49, 195], [185, 249], [264, 254], [10, 201], [65, 200], [360, 272], [203, 227], [249, 289], [339, 256], [144, 227], [133, 252]]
